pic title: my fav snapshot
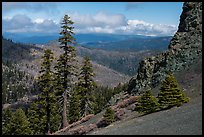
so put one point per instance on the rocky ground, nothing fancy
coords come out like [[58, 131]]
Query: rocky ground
[[184, 120]]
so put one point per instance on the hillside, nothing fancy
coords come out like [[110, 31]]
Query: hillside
[[184, 59], [132, 44], [29, 61], [125, 62], [183, 120], [184, 50]]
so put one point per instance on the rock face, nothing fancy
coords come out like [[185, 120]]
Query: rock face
[[184, 48]]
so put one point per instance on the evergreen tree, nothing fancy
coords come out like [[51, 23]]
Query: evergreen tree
[[65, 68], [109, 116], [44, 111], [170, 93], [147, 103], [46, 85], [37, 117], [7, 115], [74, 108], [15, 123], [86, 85], [102, 96], [20, 123]]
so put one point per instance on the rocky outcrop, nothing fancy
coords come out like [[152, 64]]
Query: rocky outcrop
[[184, 48]]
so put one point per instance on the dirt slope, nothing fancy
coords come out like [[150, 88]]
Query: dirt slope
[[185, 120]]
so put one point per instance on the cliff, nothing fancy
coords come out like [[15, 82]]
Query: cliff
[[184, 50]]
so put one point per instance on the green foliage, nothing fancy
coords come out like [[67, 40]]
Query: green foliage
[[120, 88], [65, 68], [74, 108], [109, 116], [67, 32], [86, 86], [20, 123], [7, 115], [103, 95], [43, 114], [147, 103], [37, 118], [15, 123], [170, 93]]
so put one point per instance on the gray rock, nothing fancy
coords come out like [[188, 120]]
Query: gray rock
[[184, 48]]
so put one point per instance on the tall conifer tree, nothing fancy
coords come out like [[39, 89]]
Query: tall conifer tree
[[86, 85], [43, 112], [65, 68]]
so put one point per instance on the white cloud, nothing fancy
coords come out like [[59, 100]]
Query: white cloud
[[100, 19], [39, 20], [24, 24], [118, 24], [87, 23], [145, 28], [96, 30]]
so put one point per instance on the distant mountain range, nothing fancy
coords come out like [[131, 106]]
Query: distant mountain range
[[118, 52], [102, 41], [132, 44]]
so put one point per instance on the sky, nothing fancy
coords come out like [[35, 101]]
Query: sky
[[135, 18]]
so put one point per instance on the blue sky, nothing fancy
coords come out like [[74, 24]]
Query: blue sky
[[144, 18]]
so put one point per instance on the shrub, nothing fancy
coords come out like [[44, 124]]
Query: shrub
[[170, 93], [109, 116], [147, 103]]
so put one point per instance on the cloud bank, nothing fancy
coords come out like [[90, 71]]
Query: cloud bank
[[100, 22]]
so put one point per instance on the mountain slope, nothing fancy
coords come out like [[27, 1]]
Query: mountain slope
[[28, 58], [185, 120], [184, 50], [133, 44], [125, 62], [121, 61]]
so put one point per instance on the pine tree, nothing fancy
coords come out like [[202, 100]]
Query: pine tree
[[20, 123], [147, 103], [170, 93], [46, 85], [86, 85], [109, 116], [43, 112], [65, 68], [37, 117], [15, 123], [74, 108], [7, 115]]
